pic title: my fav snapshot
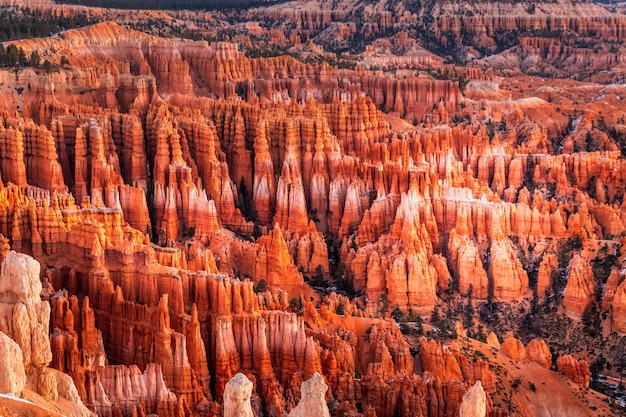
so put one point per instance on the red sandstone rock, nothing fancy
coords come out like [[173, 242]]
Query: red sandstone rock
[[619, 308], [439, 360], [580, 289], [577, 371], [547, 269], [537, 351], [467, 265], [399, 207], [492, 340], [509, 278], [514, 349], [25, 335]]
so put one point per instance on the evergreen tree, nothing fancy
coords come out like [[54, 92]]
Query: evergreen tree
[[296, 306], [384, 301], [397, 315], [468, 320], [340, 309], [4, 61], [12, 55], [260, 286], [435, 318], [591, 321], [21, 57], [35, 59]]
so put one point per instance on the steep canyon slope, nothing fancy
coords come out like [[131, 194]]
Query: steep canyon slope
[[200, 211]]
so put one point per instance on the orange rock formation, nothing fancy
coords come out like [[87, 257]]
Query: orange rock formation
[[181, 196]]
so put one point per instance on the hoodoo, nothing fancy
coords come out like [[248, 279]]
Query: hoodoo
[[323, 208]]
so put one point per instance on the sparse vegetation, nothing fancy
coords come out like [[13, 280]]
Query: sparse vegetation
[[340, 309], [296, 306], [18, 23], [171, 4], [260, 286]]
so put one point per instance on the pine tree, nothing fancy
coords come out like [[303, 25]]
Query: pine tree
[[468, 321], [35, 59]]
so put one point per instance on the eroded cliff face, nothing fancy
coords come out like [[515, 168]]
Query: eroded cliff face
[[186, 201], [24, 341], [556, 39]]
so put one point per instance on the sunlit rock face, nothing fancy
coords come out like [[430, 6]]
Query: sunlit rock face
[[198, 231]]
